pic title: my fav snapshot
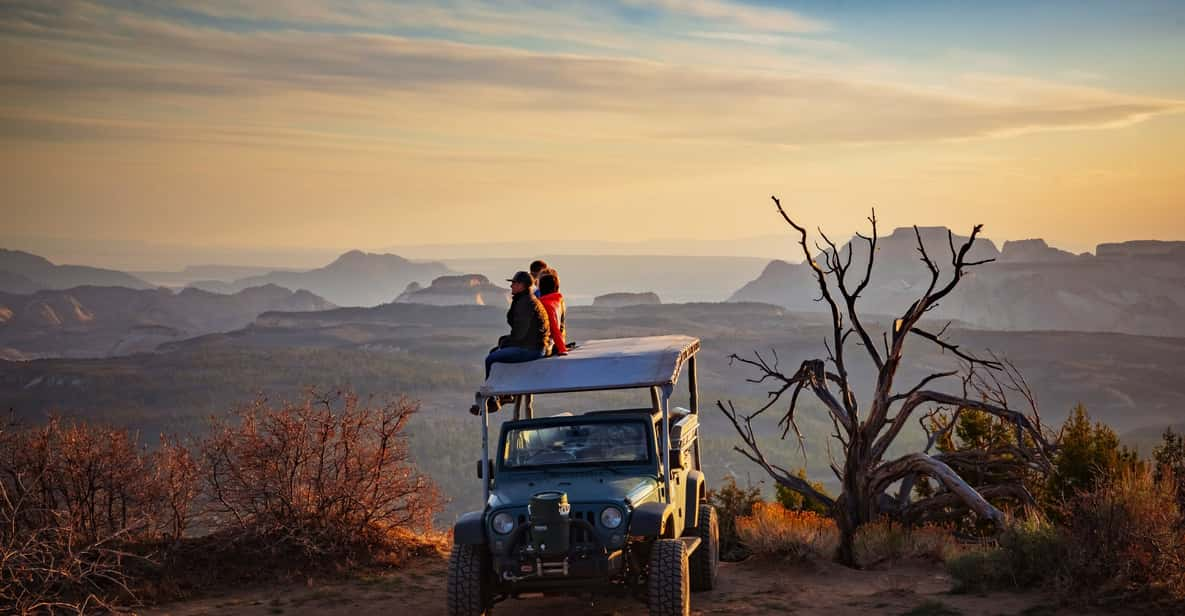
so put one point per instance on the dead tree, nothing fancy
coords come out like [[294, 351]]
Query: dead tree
[[866, 433]]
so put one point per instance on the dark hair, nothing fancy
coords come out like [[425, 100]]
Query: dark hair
[[549, 282], [537, 266]]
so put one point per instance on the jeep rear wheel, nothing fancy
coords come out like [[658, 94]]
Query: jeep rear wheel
[[705, 561], [469, 591], [669, 582]]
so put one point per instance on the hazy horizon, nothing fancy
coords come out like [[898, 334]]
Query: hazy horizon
[[307, 128], [136, 256]]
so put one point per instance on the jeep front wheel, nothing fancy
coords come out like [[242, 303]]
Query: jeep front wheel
[[705, 561], [469, 581], [669, 579]]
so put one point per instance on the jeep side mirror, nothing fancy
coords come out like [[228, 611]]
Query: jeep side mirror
[[480, 474]]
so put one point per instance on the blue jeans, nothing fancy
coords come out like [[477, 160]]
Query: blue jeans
[[511, 355]]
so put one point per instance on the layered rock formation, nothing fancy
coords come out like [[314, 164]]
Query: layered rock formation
[[617, 300], [1131, 287], [467, 289]]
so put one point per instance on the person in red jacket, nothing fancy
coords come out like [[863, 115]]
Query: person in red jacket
[[557, 311]]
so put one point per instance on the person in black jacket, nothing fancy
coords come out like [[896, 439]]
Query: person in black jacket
[[530, 335]]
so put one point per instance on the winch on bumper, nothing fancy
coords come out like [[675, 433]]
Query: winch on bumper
[[553, 540]]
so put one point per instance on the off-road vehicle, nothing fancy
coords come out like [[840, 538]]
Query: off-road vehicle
[[590, 503]]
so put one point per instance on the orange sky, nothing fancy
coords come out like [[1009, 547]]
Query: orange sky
[[238, 127]]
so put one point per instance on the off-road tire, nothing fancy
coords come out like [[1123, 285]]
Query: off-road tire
[[469, 592], [669, 581], [705, 560]]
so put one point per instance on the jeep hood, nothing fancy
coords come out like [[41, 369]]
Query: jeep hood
[[593, 486]]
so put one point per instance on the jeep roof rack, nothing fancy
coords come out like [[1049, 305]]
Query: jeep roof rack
[[616, 363]]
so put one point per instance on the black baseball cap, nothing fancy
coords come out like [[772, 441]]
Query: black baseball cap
[[523, 277]]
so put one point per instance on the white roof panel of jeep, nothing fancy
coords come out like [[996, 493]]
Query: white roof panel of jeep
[[617, 363]]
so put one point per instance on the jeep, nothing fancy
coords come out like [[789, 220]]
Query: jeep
[[592, 503]]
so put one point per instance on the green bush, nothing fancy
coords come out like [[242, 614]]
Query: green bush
[[794, 501], [1026, 555], [732, 502]]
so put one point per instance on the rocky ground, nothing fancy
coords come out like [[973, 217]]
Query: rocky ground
[[752, 587]]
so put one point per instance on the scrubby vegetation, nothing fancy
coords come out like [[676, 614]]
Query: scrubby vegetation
[[90, 520], [1111, 527], [733, 503], [772, 530]]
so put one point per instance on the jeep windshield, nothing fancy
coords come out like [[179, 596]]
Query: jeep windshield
[[577, 444]]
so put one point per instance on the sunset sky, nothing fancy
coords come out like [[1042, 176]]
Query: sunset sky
[[227, 126]]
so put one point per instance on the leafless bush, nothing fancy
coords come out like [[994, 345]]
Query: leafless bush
[[71, 497], [329, 477]]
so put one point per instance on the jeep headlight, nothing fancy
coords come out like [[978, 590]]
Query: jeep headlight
[[610, 517], [503, 523]]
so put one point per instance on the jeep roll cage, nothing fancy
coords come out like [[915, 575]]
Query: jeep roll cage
[[653, 362]]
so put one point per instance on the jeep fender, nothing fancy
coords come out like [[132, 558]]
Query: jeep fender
[[470, 529], [695, 485], [647, 520]]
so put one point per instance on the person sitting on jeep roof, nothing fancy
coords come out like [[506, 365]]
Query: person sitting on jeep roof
[[530, 334], [538, 267], [557, 312]]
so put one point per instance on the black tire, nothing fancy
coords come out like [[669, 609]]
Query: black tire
[[469, 592], [669, 582], [705, 560]]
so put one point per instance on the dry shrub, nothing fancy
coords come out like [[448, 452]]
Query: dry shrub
[[732, 502], [325, 480], [72, 498], [1120, 540], [773, 530], [1123, 539], [887, 541]]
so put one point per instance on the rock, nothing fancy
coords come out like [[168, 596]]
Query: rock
[[463, 290], [617, 300]]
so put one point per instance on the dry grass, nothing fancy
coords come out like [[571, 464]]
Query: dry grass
[[886, 541], [772, 530]]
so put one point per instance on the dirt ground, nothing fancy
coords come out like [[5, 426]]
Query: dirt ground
[[750, 587]]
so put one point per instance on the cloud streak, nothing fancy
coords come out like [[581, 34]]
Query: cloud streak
[[754, 18], [102, 73]]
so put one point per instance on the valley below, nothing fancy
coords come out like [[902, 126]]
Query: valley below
[[433, 354]]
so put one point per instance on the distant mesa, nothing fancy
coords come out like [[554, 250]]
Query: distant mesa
[[1130, 287], [1141, 248], [1033, 251], [463, 290], [355, 278], [617, 300]]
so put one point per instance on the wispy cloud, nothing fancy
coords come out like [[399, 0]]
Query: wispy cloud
[[762, 19], [94, 71]]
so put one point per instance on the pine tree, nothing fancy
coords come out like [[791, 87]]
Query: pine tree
[[1087, 454]]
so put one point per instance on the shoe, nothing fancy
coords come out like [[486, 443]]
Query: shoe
[[493, 406]]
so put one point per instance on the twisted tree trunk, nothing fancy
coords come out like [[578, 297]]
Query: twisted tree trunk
[[866, 438]]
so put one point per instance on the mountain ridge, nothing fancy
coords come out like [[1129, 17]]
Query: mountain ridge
[[1129, 287], [355, 278]]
